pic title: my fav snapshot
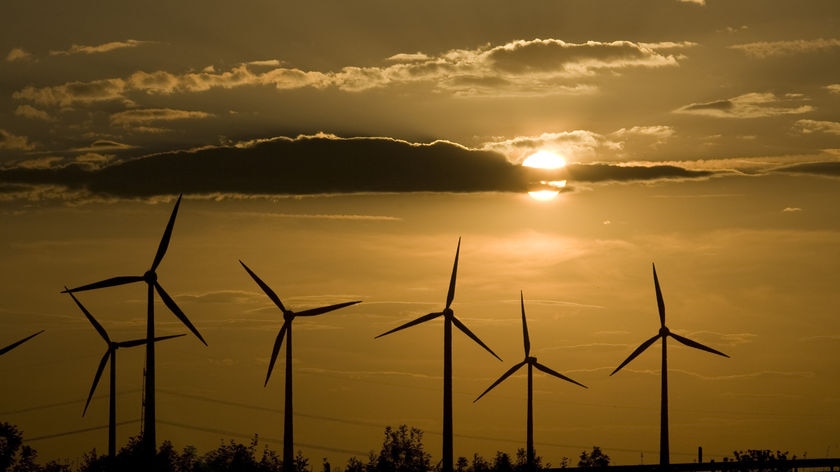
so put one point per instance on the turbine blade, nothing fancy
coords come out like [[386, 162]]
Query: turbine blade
[[422, 319], [98, 375], [18, 343], [638, 351], [325, 309], [659, 301], [265, 288], [169, 302], [112, 282], [557, 374], [502, 378], [90, 318], [140, 342], [696, 345], [450, 296], [469, 333], [525, 337], [276, 350], [167, 234]]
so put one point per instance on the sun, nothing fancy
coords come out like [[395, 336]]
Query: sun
[[544, 160], [549, 161]]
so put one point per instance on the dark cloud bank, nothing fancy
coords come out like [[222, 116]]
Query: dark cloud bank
[[315, 165]]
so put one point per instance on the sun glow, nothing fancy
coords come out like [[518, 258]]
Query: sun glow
[[544, 160]]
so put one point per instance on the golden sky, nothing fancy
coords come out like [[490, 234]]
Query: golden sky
[[340, 149]]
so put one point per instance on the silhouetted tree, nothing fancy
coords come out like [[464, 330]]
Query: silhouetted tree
[[402, 451], [594, 460], [479, 464], [762, 460], [502, 462]]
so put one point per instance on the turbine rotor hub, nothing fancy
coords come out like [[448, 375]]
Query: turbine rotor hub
[[531, 360], [447, 312], [664, 331], [150, 277], [288, 315]]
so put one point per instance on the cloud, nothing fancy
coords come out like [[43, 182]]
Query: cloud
[[702, 3], [316, 165], [791, 210], [100, 48], [139, 120], [751, 105], [826, 169], [814, 126], [577, 145], [18, 54], [28, 111], [75, 93], [523, 67], [14, 142], [765, 49], [833, 88]]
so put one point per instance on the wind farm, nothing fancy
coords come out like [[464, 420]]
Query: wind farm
[[151, 279]]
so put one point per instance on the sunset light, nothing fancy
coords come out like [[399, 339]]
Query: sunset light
[[544, 160], [540, 155]]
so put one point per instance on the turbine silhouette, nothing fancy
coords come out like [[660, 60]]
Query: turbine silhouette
[[110, 355], [664, 333], [449, 320], [151, 280], [18, 343], [531, 362], [286, 332]]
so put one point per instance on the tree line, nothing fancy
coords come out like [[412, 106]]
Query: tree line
[[401, 451]]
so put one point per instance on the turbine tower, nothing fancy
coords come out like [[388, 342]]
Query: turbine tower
[[664, 333], [18, 343], [151, 280], [110, 355], [531, 362], [286, 332], [449, 320]]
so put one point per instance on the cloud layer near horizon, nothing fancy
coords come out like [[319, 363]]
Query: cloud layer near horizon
[[320, 164]]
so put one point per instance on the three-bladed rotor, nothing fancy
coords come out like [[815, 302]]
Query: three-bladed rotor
[[288, 316], [664, 332], [447, 312], [528, 360], [111, 352], [150, 277]]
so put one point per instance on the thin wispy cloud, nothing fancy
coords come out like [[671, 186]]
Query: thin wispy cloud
[[28, 111], [142, 120], [11, 141], [816, 126], [765, 49], [539, 66], [100, 48], [750, 105], [18, 54]]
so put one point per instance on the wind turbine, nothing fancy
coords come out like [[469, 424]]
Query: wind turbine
[[150, 278], [110, 355], [449, 319], [664, 333], [286, 332], [531, 362], [18, 343]]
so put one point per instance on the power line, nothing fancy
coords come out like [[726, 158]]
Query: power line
[[78, 431]]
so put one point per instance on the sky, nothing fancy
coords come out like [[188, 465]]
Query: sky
[[341, 149]]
